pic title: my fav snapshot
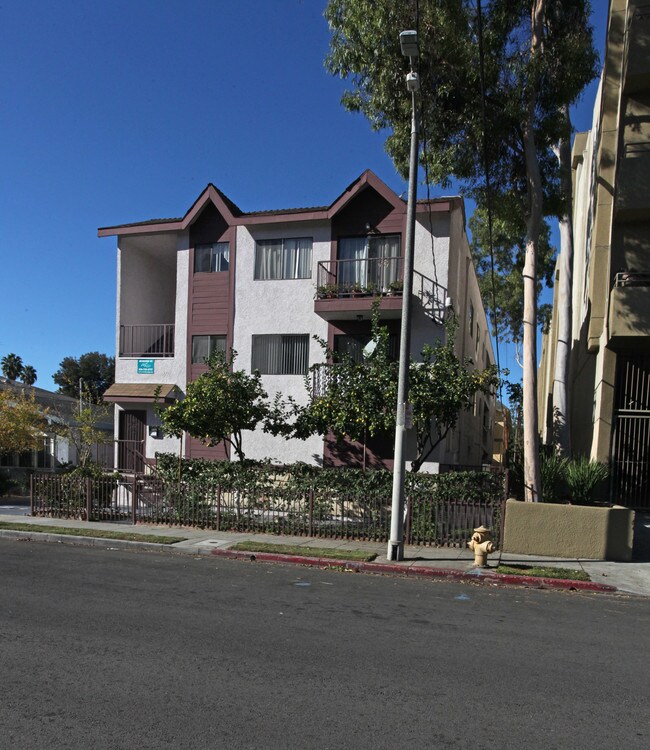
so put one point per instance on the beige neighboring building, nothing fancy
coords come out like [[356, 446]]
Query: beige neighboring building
[[610, 358]]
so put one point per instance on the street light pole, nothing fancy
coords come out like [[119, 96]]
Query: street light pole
[[409, 45]]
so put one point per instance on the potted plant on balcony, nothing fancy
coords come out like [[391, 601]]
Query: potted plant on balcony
[[355, 289], [327, 291], [395, 288], [371, 289]]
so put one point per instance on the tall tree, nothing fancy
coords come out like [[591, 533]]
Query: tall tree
[[28, 375], [12, 366], [561, 426], [499, 262], [515, 61], [95, 370]]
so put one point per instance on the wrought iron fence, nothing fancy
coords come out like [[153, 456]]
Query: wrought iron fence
[[272, 505]]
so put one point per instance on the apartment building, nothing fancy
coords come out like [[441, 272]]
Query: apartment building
[[265, 283], [610, 347]]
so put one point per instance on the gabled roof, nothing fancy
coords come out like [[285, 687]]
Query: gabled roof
[[234, 215]]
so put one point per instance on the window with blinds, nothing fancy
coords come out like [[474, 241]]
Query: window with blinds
[[281, 354]]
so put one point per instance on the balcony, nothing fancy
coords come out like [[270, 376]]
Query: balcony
[[633, 183], [637, 59], [629, 311], [348, 288], [154, 340]]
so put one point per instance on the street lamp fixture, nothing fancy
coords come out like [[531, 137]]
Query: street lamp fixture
[[409, 44]]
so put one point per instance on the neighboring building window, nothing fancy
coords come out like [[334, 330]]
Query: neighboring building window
[[211, 258], [281, 354], [471, 319], [204, 346], [283, 259], [369, 261]]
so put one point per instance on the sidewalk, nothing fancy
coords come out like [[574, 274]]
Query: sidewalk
[[631, 578]]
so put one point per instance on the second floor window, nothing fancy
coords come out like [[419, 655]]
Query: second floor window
[[281, 354], [283, 259], [211, 258], [204, 346]]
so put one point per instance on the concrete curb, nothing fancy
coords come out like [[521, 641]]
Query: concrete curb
[[419, 571], [91, 541], [408, 571]]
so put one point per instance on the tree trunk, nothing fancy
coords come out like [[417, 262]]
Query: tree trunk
[[561, 427], [532, 480]]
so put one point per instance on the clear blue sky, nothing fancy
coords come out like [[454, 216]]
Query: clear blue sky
[[124, 111]]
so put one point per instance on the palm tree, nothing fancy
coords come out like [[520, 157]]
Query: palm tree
[[28, 375], [12, 366]]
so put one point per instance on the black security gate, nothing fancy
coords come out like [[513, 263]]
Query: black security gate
[[631, 433]]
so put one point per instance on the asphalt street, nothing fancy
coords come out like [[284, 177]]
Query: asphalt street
[[110, 649]]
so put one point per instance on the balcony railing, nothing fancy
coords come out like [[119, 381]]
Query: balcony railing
[[347, 278], [381, 277], [155, 340], [631, 278]]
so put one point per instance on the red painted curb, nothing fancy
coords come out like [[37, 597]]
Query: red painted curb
[[418, 571]]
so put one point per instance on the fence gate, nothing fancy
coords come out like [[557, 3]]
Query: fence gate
[[631, 433], [131, 441]]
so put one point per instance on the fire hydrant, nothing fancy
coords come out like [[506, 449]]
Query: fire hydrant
[[481, 544]]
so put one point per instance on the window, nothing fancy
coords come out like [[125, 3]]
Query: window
[[211, 258], [204, 346], [283, 259], [281, 354], [470, 318], [369, 261], [353, 345]]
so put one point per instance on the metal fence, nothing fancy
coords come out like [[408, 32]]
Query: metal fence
[[273, 508]]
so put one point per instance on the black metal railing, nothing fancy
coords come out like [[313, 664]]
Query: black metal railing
[[273, 507], [155, 340]]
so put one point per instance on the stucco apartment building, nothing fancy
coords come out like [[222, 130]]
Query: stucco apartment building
[[265, 283], [610, 347]]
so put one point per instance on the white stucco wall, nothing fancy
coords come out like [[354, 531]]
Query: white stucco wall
[[272, 307], [141, 285]]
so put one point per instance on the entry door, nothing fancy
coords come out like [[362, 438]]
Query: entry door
[[631, 435], [132, 432]]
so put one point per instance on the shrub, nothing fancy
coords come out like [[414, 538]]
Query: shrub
[[583, 476], [552, 471]]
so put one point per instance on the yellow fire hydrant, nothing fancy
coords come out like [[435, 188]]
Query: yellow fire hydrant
[[481, 544]]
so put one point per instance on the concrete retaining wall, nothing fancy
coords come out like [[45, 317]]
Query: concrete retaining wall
[[568, 531]]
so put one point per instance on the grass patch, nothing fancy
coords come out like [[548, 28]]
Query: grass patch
[[296, 549], [124, 536], [568, 574]]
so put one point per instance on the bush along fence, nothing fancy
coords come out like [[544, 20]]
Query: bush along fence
[[441, 509]]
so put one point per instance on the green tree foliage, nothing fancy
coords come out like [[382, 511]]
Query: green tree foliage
[[12, 366], [502, 292], [495, 88], [97, 371], [22, 421], [29, 376], [82, 428], [220, 405], [359, 399], [441, 387]]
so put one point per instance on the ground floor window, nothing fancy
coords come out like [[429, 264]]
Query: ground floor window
[[281, 354]]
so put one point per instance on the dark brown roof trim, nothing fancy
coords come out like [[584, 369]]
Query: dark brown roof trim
[[235, 216]]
